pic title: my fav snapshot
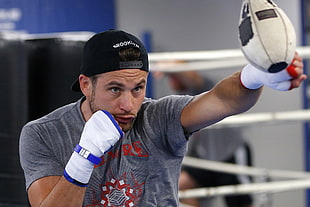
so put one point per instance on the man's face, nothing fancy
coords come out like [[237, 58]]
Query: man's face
[[121, 93]]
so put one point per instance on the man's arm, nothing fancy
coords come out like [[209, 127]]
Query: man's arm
[[100, 133], [238, 93], [228, 97], [55, 191]]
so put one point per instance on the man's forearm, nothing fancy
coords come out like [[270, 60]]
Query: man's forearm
[[45, 193]]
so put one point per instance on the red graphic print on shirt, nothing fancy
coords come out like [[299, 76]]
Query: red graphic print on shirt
[[117, 193], [125, 191]]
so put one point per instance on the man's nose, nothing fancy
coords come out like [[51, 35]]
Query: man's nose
[[127, 102]]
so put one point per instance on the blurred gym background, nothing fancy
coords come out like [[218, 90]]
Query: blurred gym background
[[40, 46]]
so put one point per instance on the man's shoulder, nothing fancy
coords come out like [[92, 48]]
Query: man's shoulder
[[65, 114], [167, 99]]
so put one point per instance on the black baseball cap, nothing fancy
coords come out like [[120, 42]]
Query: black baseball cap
[[101, 54]]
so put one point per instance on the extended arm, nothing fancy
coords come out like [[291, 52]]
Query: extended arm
[[238, 93], [228, 97]]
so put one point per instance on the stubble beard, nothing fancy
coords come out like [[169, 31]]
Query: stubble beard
[[92, 106]]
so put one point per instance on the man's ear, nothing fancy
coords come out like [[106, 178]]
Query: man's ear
[[85, 85]]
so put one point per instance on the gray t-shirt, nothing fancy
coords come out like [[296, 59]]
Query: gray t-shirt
[[142, 169], [217, 144]]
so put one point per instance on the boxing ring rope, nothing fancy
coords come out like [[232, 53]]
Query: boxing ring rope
[[300, 180], [232, 58], [204, 60], [240, 169], [265, 118], [273, 187]]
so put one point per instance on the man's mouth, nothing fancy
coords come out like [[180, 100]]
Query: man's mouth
[[124, 119]]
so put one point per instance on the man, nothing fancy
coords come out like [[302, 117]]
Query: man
[[130, 150], [217, 144]]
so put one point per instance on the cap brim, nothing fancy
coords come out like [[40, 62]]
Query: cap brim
[[76, 86]]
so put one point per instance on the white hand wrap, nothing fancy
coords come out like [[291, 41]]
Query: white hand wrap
[[253, 78], [99, 135]]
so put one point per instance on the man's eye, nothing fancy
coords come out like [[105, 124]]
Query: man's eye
[[138, 89], [115, 90]]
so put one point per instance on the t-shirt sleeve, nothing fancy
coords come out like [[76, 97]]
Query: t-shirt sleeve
[[165, 124], [36, 157]]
